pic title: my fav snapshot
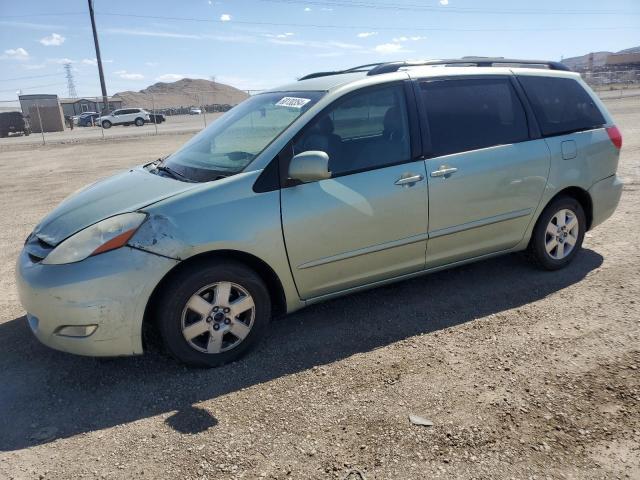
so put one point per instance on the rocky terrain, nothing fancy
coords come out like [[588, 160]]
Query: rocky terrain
[[183, 93]]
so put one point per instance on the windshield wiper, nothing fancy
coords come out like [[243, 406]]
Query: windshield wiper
[[170, 171]]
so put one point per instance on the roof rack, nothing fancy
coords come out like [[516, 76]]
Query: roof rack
[[387, 67], [475, 61], [359, 68]]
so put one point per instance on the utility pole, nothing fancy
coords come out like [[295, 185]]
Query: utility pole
[[105, 99]]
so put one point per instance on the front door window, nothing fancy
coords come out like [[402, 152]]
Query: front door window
[[361, 132]]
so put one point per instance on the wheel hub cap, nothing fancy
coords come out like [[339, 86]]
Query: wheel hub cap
[[562, 234], [218, 317]]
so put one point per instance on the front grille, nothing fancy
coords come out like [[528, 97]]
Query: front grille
[[37, 249]]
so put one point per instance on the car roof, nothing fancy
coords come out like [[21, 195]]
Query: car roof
[[321, 83], [440, 71], [328, 81]]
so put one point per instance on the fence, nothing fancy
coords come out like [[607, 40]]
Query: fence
[[191, 111], [182, 112], [612, 79]]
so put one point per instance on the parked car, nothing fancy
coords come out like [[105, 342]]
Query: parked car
[[156, 118], [336, 183], [125, 116], [88, 119], [13, 122], [195, 111]]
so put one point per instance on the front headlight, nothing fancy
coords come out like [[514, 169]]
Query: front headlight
[[109, 234]]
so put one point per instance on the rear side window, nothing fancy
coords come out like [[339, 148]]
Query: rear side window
[[468, 114], [561, 105]]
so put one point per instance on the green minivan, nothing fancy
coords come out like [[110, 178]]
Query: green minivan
[[338, 182]]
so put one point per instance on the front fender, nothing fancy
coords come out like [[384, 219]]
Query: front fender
[[221, 215]]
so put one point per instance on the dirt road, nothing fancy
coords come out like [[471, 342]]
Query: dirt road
[[524, 374]]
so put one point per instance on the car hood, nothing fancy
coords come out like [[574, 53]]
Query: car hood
[[125, 192]]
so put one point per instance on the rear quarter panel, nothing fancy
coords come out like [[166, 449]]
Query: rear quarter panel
[[596, 158]]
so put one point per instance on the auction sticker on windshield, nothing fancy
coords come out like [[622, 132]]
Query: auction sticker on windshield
[[293, 102]]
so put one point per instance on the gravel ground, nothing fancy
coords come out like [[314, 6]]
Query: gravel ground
[[524, 374]]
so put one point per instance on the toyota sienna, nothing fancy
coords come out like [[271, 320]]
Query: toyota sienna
[[335, 183]]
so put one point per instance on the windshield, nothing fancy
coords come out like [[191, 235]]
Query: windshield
[[230, 143]]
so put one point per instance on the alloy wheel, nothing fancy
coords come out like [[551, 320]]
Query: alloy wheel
[[562, 234], [218, 317]]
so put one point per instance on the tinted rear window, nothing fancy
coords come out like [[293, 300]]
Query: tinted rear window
[[468, 114], [561, 105]]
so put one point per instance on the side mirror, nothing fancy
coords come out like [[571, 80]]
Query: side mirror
[[310, 166]]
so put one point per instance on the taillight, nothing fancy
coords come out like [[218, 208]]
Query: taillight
[[615, 136]]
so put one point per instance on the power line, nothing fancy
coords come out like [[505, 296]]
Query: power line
[[29, 77], [44, 15], [452, 9], [34, 87], [404, 6], [408, 7], [369, 27]]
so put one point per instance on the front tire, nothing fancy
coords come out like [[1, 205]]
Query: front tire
[[213, 314], [558, 234], [106, 124], [139, 122]]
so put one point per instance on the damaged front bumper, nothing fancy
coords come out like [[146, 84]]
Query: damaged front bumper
[[94, 307]]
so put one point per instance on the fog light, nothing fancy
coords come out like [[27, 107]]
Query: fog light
[[76, 330]]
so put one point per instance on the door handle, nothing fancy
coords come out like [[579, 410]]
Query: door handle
[[443, 171], [408, 181]]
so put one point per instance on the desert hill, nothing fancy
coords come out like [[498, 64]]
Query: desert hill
[[599, 58], [186, 92]]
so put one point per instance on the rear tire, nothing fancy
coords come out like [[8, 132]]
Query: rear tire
[[212, 314], [558, 234]]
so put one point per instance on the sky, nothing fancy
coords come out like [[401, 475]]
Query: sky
[[259, 44]]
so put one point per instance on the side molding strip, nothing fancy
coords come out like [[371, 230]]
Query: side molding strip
[[364, 251], [416, 238], [480, 223]]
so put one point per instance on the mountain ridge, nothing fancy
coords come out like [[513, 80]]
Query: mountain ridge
[[185, 92], [599, 58]]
